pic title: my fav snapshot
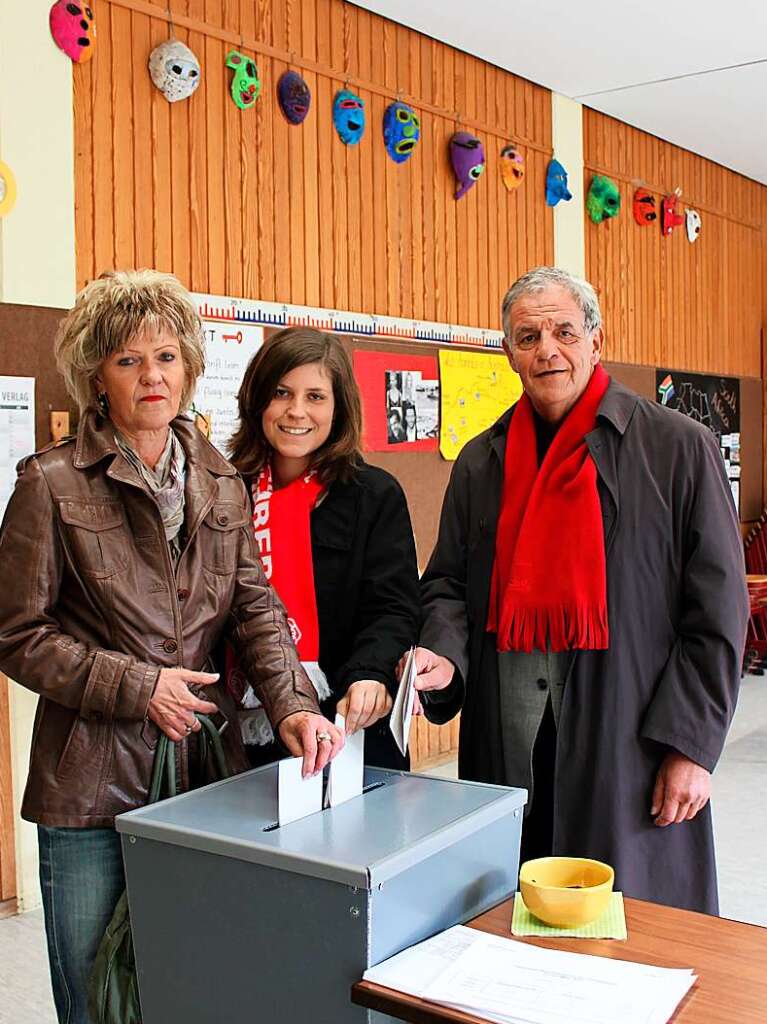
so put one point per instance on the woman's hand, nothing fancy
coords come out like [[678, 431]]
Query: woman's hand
[[365, 702], [312, 737], [173, 705]]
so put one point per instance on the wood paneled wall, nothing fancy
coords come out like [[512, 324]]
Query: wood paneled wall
[[241, 203], [667, 302]]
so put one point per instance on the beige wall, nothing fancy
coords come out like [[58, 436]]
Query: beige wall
[[567, 142], [37, 264]]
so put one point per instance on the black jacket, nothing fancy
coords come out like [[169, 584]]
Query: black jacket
[[368, 602]]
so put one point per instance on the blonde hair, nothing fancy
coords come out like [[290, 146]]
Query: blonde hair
[[116, 307]]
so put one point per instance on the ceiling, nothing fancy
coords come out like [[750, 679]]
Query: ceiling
[[693, 73]]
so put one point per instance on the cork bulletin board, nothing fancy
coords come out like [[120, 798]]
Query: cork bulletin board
[[26, 350]]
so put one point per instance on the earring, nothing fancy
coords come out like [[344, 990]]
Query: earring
[[103, 404]]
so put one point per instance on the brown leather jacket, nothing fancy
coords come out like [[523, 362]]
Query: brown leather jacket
[[91, 610]]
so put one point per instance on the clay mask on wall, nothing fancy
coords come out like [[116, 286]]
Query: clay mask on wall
[[175, 70]]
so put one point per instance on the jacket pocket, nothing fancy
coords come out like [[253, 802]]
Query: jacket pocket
[[83, 750], [96, 535], [219, 537]]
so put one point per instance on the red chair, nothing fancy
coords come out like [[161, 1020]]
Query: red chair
[[756, 579]]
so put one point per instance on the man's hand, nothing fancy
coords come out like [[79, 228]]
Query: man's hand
[[682, 788], [433, 671], [300, 731], [173, 706], [364, 703]]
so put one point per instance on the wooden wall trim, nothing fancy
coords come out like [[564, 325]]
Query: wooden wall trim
[[342, 74], [7, 829]]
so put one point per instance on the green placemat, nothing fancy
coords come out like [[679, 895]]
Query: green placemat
[[611, 925]]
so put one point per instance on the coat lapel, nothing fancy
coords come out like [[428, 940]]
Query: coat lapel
[[603, 442]]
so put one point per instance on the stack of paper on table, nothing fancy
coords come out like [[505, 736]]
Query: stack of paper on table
[[503, 980]]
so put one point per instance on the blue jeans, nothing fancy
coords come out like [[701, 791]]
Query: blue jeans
[[82, 877]]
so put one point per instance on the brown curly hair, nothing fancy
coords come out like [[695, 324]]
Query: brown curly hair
[[336, 459]]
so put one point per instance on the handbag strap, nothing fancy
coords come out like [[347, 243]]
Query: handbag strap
[[164, 766], [210, 735]]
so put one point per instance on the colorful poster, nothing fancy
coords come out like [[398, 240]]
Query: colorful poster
[[400, 401], [228, 350], [17, 430], [713, 401], [477, 388]]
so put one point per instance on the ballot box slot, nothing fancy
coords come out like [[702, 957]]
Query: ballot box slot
[[366, 789], [372, 786]]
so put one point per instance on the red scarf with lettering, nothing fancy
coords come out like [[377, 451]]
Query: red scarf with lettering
[[549, 584], [281, 525]]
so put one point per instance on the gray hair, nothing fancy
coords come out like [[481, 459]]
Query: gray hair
[[541, 278], [116, 307]]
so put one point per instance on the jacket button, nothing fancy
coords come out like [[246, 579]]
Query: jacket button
[[182, 594], [222, 519], [542, 684], [170, 646]]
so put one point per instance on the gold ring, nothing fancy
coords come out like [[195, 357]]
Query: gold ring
[[323, 736]]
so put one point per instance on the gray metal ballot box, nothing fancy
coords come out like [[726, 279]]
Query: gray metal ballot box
[[235, 919]]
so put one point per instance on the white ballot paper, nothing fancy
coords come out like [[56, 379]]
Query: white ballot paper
[[512, 982], [346, 770], [297, 797], [402, 712]]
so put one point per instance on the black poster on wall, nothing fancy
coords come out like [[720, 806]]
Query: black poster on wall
[[712, 401]]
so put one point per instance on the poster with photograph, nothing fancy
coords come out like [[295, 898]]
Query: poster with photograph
[[412, 407], [715, 403], [400, 401]]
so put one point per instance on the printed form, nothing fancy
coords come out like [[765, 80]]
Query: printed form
[[505, 980]]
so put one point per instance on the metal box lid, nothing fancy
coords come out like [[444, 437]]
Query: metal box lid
[[400, 820]]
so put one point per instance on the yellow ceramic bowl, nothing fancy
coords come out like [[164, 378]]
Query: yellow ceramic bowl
[[566, 891]]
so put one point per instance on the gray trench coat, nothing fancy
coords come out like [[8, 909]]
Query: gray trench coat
[[677, 607]]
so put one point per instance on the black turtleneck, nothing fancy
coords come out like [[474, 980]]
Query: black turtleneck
[[545, 433]]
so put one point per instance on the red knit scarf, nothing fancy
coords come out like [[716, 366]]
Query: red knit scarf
[[549, 585], [283, 535]]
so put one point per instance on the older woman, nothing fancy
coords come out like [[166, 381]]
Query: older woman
[[131, 555]]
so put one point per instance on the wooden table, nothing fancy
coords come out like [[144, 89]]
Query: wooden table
[[729, 958]]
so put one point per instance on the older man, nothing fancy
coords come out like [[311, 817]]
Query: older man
[[585, 607]]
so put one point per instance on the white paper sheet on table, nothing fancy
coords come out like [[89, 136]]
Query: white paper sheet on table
[[402, 712], [296, 797], [508, 981], [347, 769]]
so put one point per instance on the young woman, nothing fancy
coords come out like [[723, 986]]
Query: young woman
[[334, 536]]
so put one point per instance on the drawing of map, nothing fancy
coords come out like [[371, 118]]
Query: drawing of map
[[476, 388]]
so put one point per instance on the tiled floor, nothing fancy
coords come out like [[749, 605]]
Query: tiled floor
[[740, 818]]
